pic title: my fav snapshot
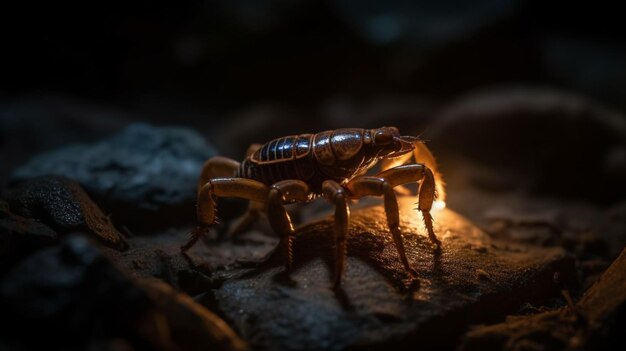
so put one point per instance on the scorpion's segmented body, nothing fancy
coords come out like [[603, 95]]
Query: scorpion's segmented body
[[330, 164], [338, 155]]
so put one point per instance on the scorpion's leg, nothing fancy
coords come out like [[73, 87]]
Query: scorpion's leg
[[252, 148], [424, 156], [389, 163], [245, 222], [281, 193], [217, 167], [336, 194], [427, 192], [254, 208], [365, 186], [222, 187]]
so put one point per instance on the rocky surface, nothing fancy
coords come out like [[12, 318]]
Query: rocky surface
[[473, 279], [527, 197], [73, 296], [159, 256], [63, 205], [20, 236], [144, 176], [590, 324]]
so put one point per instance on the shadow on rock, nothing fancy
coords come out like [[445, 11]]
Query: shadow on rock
[[473, 279]]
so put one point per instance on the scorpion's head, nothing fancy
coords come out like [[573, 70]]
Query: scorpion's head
[[386, 142]]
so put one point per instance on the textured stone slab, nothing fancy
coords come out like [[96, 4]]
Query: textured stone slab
[[146, 176], [473, 279], [596, 322]]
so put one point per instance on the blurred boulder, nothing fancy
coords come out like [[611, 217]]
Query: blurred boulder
[[539, 140], [144, 176], [72, 296]]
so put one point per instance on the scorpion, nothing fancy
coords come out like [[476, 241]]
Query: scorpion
[[330, 164]]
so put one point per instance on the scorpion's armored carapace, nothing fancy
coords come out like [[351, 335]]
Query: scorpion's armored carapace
[[338, 155]]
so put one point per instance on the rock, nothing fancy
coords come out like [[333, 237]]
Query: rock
[[64, 206], [66, 293], [145, 176], [20, 236], [473, 279], [596, 322], [159, 256], [72, 296], [544, 141], [192, 326]]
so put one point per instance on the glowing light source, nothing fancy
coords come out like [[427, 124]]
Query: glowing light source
[[423, 155], [439, 205]]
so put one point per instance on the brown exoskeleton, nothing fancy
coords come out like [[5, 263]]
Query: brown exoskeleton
[[329, 164]]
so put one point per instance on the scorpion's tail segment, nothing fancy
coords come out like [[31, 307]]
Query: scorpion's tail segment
[[423, 155], [425, 203]]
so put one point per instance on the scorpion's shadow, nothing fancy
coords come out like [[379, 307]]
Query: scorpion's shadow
[[376, 249]]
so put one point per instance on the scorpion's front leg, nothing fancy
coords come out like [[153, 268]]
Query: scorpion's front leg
[[375, 186], [427, 191], [222, 187], [388, 163], [286, 191], [336, 194]]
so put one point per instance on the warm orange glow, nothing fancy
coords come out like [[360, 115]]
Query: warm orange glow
[[423, 155], [439, 205]]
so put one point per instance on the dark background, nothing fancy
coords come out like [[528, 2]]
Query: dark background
[[245, 71]]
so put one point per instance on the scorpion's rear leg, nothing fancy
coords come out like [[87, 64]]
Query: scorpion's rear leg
[[252, 148], [222, 187], [281, 193], [336, 194], [248, 219], [366, 186], [217, 167], [413, 173], [254, 208]]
